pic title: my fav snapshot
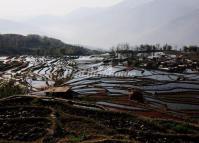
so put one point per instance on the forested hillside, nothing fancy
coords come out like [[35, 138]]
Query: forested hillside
[[13, 44]]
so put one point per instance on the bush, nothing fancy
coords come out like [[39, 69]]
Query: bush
[[181, 128], [9, 88]]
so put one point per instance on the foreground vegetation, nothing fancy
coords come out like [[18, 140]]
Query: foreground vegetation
[[9, 88], [52, 120]]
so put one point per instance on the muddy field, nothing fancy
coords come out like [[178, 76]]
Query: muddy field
[[37, 119]]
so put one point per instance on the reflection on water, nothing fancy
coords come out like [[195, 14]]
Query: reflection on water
[[175, 106], [116, 81]]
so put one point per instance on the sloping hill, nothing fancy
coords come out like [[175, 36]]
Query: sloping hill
[[13, 44]]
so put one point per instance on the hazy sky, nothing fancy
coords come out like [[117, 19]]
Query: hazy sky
[[13, 9]]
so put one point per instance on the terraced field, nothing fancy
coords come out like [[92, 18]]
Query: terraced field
[[47, 120], [101, 110], [36, 73]]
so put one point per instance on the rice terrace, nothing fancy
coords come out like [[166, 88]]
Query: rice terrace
[[123, 71]]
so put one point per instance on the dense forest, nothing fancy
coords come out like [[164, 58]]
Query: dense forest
[[14, 44]]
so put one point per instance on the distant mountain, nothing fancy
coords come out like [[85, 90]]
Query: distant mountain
[[183, 30], [14, 44], [133, 21]]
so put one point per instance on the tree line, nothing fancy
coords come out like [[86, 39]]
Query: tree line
[[156, 47], [142, 47], [14, 44], [191, 49]]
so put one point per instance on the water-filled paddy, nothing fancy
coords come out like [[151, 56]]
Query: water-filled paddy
[[91, 76]]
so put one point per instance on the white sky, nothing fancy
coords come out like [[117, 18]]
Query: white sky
[[14, 9]]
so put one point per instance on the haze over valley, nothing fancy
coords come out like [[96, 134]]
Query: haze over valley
[[145, 21]]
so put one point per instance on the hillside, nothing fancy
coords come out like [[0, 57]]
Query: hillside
[[13, 44], [46, 120]]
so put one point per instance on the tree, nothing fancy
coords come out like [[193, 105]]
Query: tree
[[13, 44]]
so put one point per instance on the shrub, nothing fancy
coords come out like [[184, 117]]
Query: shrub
[[9, 88]]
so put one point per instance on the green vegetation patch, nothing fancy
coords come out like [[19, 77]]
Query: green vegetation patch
[[9, 88]]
